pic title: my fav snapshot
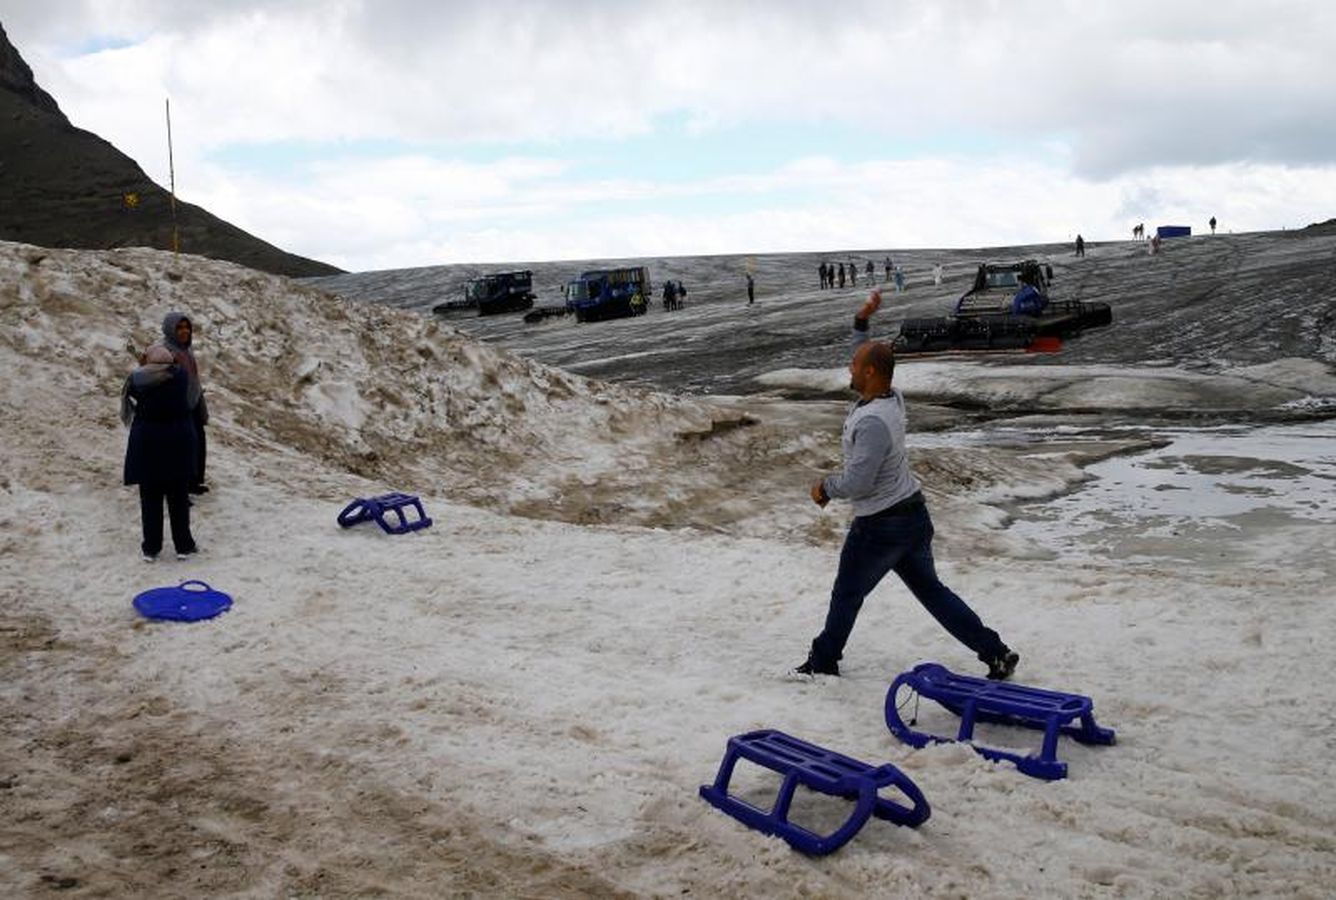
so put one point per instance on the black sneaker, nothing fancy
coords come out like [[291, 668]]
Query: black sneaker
[[199, 489], [809, 668], [1001, 667]]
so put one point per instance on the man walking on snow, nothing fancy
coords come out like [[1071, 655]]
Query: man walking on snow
[[891, 530]]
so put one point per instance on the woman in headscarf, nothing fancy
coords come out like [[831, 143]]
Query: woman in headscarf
[[177, 334], [160, 455]]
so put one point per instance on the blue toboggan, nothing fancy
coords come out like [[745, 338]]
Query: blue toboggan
[[378, 509], [821, 770], [977, 699]]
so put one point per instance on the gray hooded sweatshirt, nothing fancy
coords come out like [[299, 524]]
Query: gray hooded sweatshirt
[[876, 467]]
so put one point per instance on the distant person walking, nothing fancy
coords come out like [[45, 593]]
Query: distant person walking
[[751, 290], [891, 530], [822, 272], [178, 336], [853, 274], [1212, 224], [160, 454], [889, 267], [841, 274], [1139, 231], [899, 280], [871, 271], [937, 274], [1080, 246]]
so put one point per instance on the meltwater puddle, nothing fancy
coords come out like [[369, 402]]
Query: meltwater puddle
[[1227, 493]]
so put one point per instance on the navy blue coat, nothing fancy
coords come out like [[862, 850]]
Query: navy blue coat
[[161, 450]]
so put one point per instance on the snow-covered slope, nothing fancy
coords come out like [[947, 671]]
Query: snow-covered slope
[[382, 393], [522, 699]]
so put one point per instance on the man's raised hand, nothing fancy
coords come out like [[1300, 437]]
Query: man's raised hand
[[871, 306]]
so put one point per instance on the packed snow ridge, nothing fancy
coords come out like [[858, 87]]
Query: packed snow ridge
[[382, 393]]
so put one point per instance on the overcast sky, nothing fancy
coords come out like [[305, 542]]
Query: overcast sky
[[389, 133]]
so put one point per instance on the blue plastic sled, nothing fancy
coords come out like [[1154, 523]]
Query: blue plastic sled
[[364, 509], [190, 601], [820, 770], [980, 700]]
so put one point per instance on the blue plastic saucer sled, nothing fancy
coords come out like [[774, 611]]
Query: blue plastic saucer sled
[[189, 601]]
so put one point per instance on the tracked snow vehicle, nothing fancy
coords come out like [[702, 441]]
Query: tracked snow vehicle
[[609, 294], [490, 295], [1007, 308]]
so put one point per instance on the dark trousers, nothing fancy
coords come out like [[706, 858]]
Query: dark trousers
[[903, 544], [201, 447], [178, 511]]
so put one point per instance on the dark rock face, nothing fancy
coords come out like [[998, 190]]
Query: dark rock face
[[61, 186], [15, 76]]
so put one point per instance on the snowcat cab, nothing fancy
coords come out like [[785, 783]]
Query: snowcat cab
[[609, 294], [1007, 308], [1020, 288]]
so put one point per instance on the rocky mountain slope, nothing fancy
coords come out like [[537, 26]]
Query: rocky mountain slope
[[61, 186]]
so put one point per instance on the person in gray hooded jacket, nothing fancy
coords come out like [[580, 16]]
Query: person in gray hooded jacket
[[891, 530]]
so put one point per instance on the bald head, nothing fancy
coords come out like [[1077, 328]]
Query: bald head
[[880, 357], [871, 369]]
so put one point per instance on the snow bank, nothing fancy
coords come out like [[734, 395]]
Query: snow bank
[[387, 394]]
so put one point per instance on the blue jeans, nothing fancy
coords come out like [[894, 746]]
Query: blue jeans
[[903, 544]]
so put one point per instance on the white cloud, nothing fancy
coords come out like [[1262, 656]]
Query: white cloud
[[400, 213], [520, 71], [1126, 110]]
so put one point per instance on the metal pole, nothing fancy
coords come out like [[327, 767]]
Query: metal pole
[[171, 171]]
